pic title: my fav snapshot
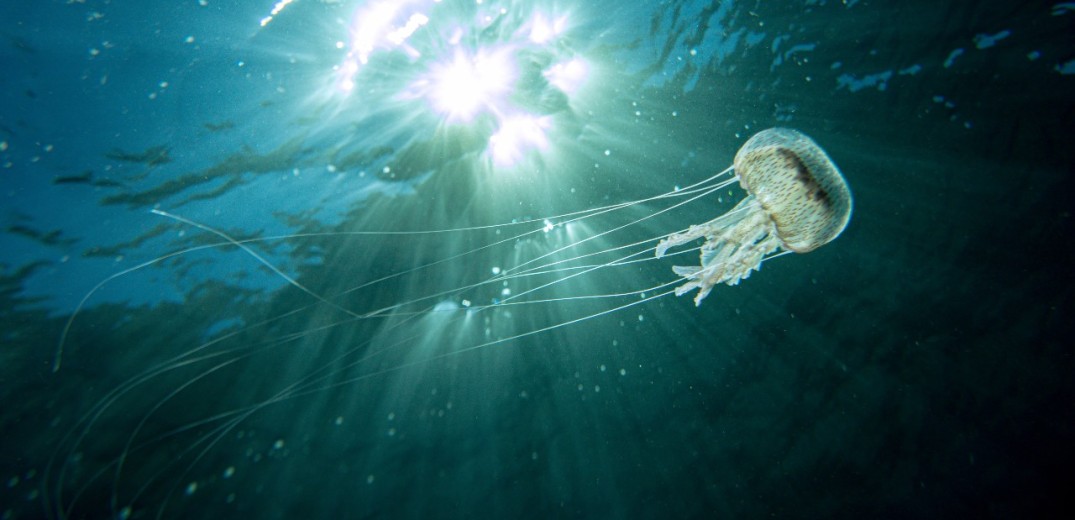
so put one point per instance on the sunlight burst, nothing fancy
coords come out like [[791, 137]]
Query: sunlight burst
[[469, 83]]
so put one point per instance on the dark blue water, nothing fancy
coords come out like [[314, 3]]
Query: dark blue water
[[374, 259]]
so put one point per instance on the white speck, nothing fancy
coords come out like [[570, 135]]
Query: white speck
[[496, 270], [985, 41], [951, 59], [465, 303], [505, 292], [608, 152], [279, 444], [391, 416], [602, 368], [1064, 8], [191, 488], [641, 318], [623, 371], [1067, 68], [597, 388], [3, 146], [331, 168], [163, 84], [911, 71], [386, 169], [694, 52], [230, 472], [188, 39]]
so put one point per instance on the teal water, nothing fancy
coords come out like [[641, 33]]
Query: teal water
[[430, 315]]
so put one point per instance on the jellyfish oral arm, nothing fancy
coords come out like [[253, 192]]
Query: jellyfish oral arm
[[735, 245]]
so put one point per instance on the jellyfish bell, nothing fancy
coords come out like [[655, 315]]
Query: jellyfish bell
[[798, 201], [798, 185]]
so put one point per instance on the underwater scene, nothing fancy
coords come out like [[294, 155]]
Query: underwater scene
[[536, 259]]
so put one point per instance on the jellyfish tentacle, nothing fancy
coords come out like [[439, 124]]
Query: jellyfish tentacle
[[696, 231]]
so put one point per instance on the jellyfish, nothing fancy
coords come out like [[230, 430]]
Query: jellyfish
[[798, 201], [186, 418]]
